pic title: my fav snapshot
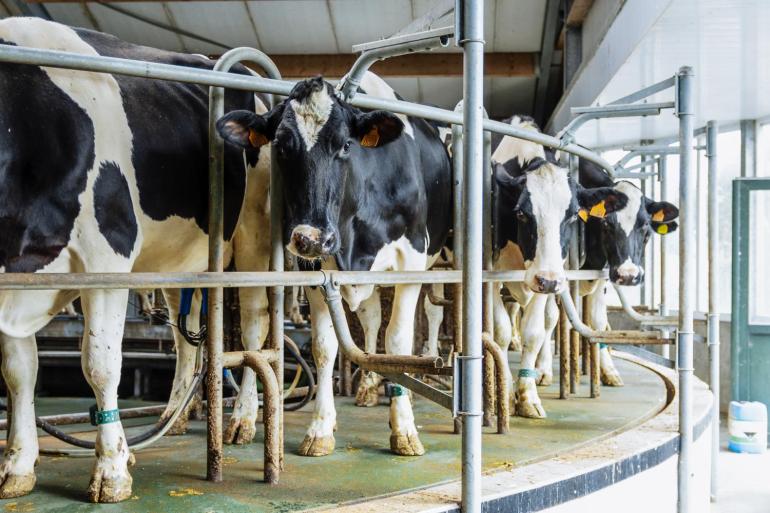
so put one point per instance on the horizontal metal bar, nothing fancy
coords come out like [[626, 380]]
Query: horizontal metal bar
[[602, 110], [82, 281], [646, 92], [415, 37], [647, 163], [621, 175], [101, 64], [419, 387], [126, 356], [647, 150]]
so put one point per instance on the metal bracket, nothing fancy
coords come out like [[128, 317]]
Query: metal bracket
[[458, 406], [421, 388]]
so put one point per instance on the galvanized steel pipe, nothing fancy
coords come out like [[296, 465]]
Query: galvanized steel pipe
[[712, 131]]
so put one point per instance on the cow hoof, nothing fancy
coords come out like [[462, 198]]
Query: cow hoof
[[367, 396], [240, 431], [17, 485], [516, 345], [530, 410], [406, 445], [545, 380], [317, 445], [611, 380], [109, 489], [487, 420]]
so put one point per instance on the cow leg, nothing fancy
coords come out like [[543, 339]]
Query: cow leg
[[544, 365], [17, 472], [596, 302], [369, 314], [185, 360], [533, 333], [105, 312], [319, 439], [503, 327], [255, 320], [293, 311], [515, 313], [399, 339], [434, 314]]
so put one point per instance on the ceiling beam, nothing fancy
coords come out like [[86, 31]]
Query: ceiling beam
[[496, 64], [546, 58], [578, 12]]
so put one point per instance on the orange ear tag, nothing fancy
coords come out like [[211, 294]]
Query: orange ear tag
[[662, 229], [583, 214], [256, 139], [658, 216], [371, 139], [598, 210]]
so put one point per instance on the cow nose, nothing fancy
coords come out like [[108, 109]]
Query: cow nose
[[329, 242], [546, 285], [303, 243], [628, 274]]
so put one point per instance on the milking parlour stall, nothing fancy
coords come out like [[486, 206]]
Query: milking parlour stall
[[402, 256]]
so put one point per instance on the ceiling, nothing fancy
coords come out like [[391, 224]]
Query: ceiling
[[322, 27], [727, 44]]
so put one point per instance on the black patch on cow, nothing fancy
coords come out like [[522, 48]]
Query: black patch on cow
[[114, 209], [46, 150], [169, 125]]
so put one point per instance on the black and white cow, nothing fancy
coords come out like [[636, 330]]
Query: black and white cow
[[363, 191], [537, 205], [617, 241], [104, 173]]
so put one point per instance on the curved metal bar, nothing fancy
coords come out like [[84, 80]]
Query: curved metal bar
[[380, 363], [629, 310], [502, 382]]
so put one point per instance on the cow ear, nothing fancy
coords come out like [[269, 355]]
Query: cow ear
[[662, 211], [243, 129], [504, 178], [664, 228], [375, 129], [600, 201]]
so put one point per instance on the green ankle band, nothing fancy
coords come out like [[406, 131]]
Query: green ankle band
[[103, 416], [528, 373]]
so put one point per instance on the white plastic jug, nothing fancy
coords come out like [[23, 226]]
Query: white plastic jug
[[747, 425]]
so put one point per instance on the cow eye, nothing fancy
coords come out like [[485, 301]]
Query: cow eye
[[346, 148], [521, 216]]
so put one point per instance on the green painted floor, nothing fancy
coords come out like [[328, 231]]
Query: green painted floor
[[168, 477]]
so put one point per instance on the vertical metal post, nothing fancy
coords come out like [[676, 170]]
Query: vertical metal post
[[712, 130], [215, 339], [472, 42], [574, 263], [457, 238], [687, 253], [564, 355], [748, 148], [276, 293], [647, 297], [665, 250]]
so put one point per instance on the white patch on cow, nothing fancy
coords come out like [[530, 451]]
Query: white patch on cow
[[511, 147], [550, 195], [628, 215], [375, 86], [628, 269], [311, 115]]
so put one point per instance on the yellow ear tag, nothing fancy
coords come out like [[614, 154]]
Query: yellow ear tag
[[256, 139], [583, 214], [658, 216], [662, 229], [371, 139], [598, 210]]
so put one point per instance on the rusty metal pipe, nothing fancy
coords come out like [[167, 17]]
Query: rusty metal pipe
[[498, 358]]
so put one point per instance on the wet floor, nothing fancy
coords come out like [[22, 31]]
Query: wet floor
[[169, 476]]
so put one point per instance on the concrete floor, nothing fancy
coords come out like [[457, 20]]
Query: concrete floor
[[744, 480], [168, 476]]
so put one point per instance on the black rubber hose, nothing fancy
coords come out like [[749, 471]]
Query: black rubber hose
[[291, 346], [87, 444]]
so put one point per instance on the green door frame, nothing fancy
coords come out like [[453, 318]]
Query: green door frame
[[741, 330]]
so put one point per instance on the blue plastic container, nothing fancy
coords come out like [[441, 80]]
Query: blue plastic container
[[747, 425]]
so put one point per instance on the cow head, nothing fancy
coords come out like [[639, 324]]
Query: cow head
[[547, 203], [625, 233], [317, 138]]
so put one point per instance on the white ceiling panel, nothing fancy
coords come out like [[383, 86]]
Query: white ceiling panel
[[73, 15], [136, 31], [360, 21], [294, 27], [518, 26], [233, 26]]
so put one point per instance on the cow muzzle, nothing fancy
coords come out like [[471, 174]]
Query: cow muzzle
[[628, 274], [546, 282], [309, 242]]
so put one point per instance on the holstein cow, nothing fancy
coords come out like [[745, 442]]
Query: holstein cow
[[537, 205], [618, 241], [359, 188], [104, 173]]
